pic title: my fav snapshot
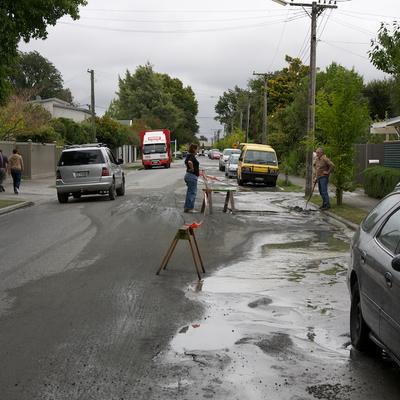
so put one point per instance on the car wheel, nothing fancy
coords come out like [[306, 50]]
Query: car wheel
[[62, 197], [121, 191], [240, 182], [76, 195], [112, 193], [359, 331]]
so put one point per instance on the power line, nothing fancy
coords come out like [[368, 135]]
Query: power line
[[173, 21], [156, 31], [345, 50], [351, 26]]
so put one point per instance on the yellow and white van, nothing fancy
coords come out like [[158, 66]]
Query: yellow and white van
[[257, 164]]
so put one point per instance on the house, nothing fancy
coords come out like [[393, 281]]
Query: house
[[388, 127], [62, 109]]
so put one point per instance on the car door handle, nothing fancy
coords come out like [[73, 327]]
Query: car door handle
[[388, 279], [363, 256]]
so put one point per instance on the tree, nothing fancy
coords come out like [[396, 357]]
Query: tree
[[342, 117], [25, 20], [37, 76], [111, 132], [385, 52], [158, 101], [20, 120], [71, 132], [380, 98]]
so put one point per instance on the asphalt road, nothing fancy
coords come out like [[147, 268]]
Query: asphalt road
[[83, 315]]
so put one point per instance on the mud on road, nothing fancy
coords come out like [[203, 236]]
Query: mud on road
[[275, 324]]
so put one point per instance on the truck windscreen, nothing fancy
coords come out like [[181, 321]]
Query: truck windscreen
[[154, 148]]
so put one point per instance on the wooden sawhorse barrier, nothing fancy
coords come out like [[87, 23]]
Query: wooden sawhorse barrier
[[207, 192], [186, 232]]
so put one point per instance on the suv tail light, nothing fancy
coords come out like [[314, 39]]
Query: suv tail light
[[105, 172], [58, 174]]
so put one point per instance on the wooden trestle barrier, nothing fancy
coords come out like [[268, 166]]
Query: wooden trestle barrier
[[185, 232]]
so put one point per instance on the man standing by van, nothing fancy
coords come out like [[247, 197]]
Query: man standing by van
[[323, 167]]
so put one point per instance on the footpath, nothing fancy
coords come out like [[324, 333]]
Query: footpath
[[32, 191]]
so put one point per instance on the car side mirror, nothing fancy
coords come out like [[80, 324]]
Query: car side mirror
[[396, 263], [240, 159], [120, 161]]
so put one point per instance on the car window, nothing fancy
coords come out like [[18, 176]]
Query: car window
[[377, 213], [260, 157], [227, 152], [389, 236], [81, 157], [111, 156]]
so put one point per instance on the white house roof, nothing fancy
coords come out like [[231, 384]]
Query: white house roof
[[60, 104], [391, 125]]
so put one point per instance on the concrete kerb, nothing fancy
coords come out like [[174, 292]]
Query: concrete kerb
[[14, 207]]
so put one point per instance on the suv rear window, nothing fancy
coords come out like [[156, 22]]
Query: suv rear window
[[81, 157]]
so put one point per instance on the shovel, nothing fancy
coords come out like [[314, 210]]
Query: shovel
[[312, 191]]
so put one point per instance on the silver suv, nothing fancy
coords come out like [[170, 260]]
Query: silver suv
[[89, 169]]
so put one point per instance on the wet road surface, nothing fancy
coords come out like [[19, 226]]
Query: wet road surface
[[83, 315]]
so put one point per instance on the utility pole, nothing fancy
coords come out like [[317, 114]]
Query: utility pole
[[92, 105], [265, 109], [317, 7], [248, 121]]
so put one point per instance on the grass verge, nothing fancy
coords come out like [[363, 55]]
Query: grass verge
[[290, 187], [350, 213], [6, 203]]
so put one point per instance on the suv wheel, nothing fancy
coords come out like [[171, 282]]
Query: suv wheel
[[112, 193], [62, 197], [358, 328], [121, 191]]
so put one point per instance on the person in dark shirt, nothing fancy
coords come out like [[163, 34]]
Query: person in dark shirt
[[192, 173], [3, 169]]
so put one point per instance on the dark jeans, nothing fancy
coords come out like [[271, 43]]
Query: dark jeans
[[16, 176], [323, 190], [191, 182]]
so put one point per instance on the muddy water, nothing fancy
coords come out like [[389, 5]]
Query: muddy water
[[276, 322]]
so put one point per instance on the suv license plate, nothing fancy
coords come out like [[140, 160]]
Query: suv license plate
[[81, 174]]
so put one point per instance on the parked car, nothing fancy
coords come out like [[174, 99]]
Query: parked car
[[89, 169], [374, 279], [214, 154], [257, 164], [224, 157], [231, 165]]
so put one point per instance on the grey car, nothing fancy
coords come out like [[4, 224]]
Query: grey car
[[374, 279], [89, 169]]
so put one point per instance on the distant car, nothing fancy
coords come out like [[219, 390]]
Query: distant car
[[88, 169], [373, 279], [224, 157], [214, 154], [231, 165]]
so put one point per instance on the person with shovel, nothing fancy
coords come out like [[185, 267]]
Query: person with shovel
[[323, 167]]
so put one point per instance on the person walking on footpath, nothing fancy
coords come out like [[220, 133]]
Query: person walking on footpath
[[323, 168], [3, 169], [16, 166], [191, 176]]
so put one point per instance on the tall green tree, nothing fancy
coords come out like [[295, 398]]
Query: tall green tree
[[37, 76], [24, 20], [158, 101], [385, 49], [342, 117]]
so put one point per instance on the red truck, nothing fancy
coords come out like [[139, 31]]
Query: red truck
[[156, 148]]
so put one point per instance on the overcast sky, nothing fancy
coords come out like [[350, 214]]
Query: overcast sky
[[210, 45]]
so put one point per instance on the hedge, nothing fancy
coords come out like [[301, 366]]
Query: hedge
[[379, 181]]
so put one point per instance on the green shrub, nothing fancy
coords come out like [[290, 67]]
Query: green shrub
[[379, 181]]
